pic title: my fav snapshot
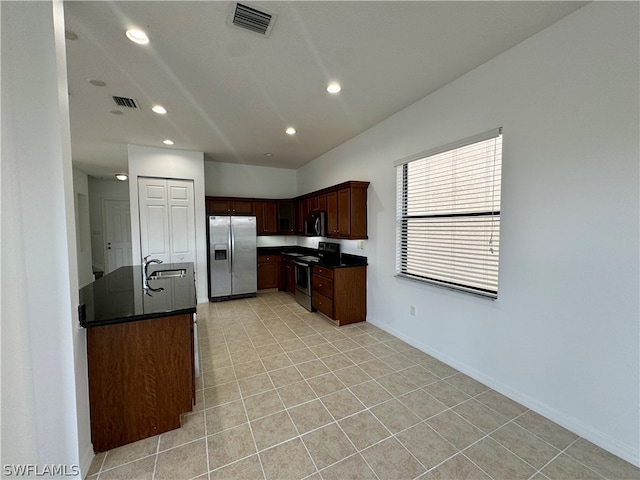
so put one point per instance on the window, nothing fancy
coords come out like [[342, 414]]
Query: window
[[448, 215]]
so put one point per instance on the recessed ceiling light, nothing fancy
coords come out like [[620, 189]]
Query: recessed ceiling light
[[159, 109], [167, 142], [137, 36], [268, 154], [122, 176], [334, 87], [116, 112], [290, 131], [97, 83]]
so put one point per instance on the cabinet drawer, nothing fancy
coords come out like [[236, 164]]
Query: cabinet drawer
[[324, 271], [269, 258], [322, 304], [322, 285]]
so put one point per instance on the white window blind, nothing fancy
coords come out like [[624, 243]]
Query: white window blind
[[448, 215]]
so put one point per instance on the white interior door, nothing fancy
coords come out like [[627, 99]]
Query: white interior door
[[167, 219], [117, 221], [182, 227], [154, 218]]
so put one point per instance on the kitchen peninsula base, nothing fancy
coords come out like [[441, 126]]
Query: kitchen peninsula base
[[141, 378]]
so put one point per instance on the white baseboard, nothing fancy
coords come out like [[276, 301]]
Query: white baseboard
[[585, 431], [86, 459]]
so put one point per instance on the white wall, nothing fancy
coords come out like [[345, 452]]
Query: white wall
[[99, 191], [235, 180], [178, 164], [563, 336], [45, 415], [83, 227]]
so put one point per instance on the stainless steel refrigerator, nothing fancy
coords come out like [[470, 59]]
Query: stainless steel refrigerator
[[232, 257]]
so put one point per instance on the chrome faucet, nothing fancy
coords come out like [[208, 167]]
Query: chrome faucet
[[145, 270]]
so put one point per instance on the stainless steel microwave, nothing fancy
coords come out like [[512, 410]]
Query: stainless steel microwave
[[315, 225]]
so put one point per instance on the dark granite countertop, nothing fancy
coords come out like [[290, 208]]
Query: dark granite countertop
[[286, 250], [119, 296], [346, 260]]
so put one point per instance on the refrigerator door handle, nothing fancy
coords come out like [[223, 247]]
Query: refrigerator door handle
[[232, 245]]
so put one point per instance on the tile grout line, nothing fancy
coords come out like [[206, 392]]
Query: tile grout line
[[246, 413]]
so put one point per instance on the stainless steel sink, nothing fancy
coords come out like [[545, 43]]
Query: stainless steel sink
[[180, 272]]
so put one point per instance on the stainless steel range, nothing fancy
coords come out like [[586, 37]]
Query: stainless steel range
[[303, 280], [328, 254]]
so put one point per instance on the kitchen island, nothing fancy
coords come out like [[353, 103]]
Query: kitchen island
[[140, 352]]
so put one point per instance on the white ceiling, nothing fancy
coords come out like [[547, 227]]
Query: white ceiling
[[231, 93]]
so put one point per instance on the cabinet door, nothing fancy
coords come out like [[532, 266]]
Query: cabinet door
[[332, 214], [344, 212], [347, 212], [317, 203], [291, 280], [321, 203], [268, 272], [241, 207], [285, 217], [288, 279], [218, 206], [228, 206], [358, 212], [302, 207], [265, 217]]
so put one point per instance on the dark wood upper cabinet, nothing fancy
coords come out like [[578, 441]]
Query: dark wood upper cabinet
[[347, 211], [266, 218], [286, 217], [345, 204], [228, 206], [332, 213], [302, 207], [317, 203]]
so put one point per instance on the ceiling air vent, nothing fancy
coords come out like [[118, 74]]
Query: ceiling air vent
[[251, 18], [125, 102]]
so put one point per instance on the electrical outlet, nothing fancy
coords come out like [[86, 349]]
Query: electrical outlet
[[412, 310], [361, 245]]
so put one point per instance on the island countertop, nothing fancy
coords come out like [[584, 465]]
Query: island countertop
[[119, 296]]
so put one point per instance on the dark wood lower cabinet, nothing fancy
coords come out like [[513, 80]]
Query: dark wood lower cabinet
[[269, 271], [141, 378], [340, 293], [288, 275]]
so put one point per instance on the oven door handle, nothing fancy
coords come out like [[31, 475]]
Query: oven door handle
[[300, 264]]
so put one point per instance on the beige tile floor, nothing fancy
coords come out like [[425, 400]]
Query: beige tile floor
[[285, 394]]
